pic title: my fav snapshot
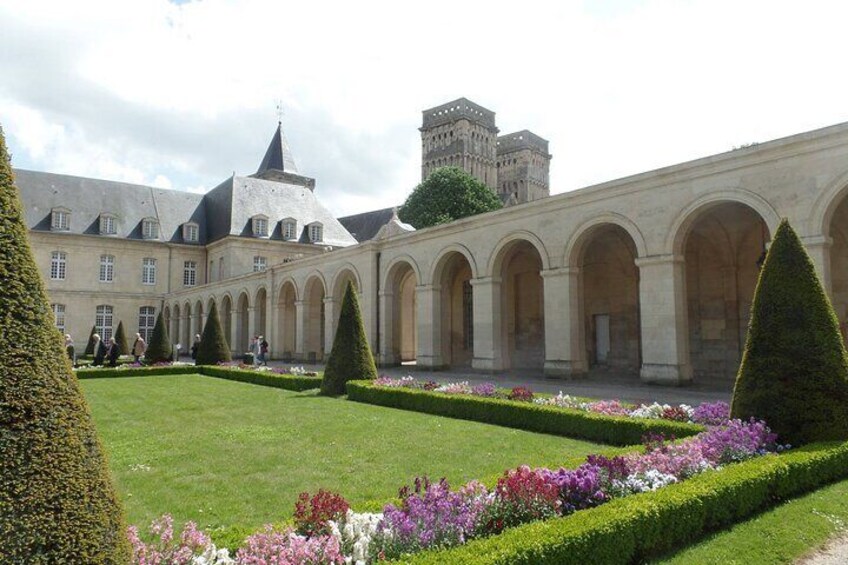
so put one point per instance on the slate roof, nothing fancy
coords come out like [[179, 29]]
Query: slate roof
[[366, 225], [278, 157]]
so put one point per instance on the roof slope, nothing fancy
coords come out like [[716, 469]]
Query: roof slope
[[278, 156], [366, 225]]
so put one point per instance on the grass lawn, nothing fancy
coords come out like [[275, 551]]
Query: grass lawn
[[224, 453], [780, 535]]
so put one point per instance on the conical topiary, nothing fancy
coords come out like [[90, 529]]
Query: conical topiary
[[213, 348], [159, 350], [794, 371], [89, 348], [350, 358], [121, 339], [57, 501]]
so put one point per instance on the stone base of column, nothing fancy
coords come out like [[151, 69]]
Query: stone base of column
[[486, 365], [668, 375], [563, 369]]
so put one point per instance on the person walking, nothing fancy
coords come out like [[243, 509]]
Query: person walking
[[255, 348], [69, 349], [99, 350], [139, 347], [195, 346], [113, 352], [263, 350]]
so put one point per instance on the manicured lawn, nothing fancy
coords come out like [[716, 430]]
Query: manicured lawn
[[223, 453], [780, 535]]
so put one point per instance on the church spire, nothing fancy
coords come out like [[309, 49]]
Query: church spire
[[278, 157]]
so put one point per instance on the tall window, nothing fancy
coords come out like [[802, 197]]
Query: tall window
[[60, 220], [259, 263], [468, 314], [103, 322], [148, 271], [58, 265], [107, 224], [190, 273], [150, 229], [191, 233], [289, 229], [315, 233], [146, 321], [260, 226], [59, 316], [107, 268]]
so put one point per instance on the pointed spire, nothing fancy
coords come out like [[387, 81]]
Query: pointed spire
[[278, 157]]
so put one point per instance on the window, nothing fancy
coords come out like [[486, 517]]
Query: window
[[289, 229], [191, 233], [59, 316], [468, 315], [58, 265], [259, 263], [148, 271], [107, 268], [60, 219], [107, 224], [103, 322], [150, 229], [260, 226], [315, 232], [190, 273], [146, 321]]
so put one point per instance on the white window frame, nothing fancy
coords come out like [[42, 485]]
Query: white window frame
[[108, 224], [58, 265], [316, 232], [260, 263], [60, 219], [148, 271], [104, 316], [146, 321], [191, 232], [189, 273], [289, 229], [59, 316], [260, 226], [107, 268], [149, 228]]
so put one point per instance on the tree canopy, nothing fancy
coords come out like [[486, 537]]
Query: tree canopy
[[448, 194]]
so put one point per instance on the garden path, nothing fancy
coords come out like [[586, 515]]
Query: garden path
[[834, 553]]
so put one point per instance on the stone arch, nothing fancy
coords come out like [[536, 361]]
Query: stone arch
[[584, 233], [347, 273], [393, 264], [833, 258], [286, 335], [445, 255], [314, 329], [199, 319], [453, 307], [176, 322], [824, 208], [225, 313], [260, 314], [400, 311], [186, 335], [496, 259], [242, 323]]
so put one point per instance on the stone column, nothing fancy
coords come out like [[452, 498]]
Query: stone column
[[388, 348], [818, 248], [270, 329], [300, 307], [429, 299], [662, 301], [251, 325], [565, 351], [330, 324], [488, 346], [235, 347]]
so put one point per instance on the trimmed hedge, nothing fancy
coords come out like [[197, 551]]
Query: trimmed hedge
[[521, 415], [351, 358], [111, 373], [631, 529]]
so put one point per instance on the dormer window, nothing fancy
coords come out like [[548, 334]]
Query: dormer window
[[191, 232], [316, 232], [149, 228], [108, 225], [60, 219], [289, 229], [260, 226]]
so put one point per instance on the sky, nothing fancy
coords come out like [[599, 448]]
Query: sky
[[183, 94]]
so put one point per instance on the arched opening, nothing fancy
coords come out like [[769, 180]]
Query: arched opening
[[838, 232], [313, 322], [260, 314], [243, 335], [402, 330], [609, 295], [225, 313], [287, 322], [198, 321], [522, 304], [453, 277], [723, 248], [186, 338], [174, 331]]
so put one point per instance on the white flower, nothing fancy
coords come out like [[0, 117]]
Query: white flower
[[213, 556]]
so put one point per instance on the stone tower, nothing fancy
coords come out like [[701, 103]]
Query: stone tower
[[460, 134], [523, 167]]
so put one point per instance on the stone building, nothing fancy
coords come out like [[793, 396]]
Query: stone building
[[463, 134], [650, 276]]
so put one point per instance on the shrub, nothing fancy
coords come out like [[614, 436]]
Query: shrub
[[121, 339], [159, 349], [312, 513], [57, 501], [350, 358], [213, 347], [794, 370], [448, 194], [89, 347]]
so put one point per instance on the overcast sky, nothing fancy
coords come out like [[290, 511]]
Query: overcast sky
[[182, 94]]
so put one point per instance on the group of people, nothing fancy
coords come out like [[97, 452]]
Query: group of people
[[106, 352], [259, 348]]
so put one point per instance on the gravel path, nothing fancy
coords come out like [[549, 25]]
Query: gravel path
[[834, 553]]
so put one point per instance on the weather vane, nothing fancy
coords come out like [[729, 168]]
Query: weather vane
[[280, 112]]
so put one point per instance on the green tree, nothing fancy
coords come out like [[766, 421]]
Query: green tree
[[794, 370], [159, 349], [213, 348], [350, 358], [448, 194], [89, 347], [57, 501], [121, 339]]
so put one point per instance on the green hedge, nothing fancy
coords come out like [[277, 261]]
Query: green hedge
[[263, 378], [112, 373], [631, 529], [521, 415]]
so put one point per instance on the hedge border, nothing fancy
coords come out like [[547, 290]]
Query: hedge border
[[527, 416], [646, 525], [275, 380]]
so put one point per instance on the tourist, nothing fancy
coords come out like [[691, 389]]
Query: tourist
[[69, 348], [99, 350], [255, 348], [139, 347], [195, 346], [263, 350], [113, 352]]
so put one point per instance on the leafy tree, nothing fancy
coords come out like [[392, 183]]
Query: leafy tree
[[121, 339], [89, 348], [57, 501], [448, 194], [794, 371], [159, 349], [350, 358], [213, 348]]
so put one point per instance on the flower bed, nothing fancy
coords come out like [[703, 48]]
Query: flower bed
[[524, 415]]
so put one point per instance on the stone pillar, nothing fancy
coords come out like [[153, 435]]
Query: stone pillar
[[429, 317], [662, 301], [300, 307], [233, 337], [818, 248], [330, 324], [488, 346], [270, 329], [388, 348], [565, 352], [251, 324]]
